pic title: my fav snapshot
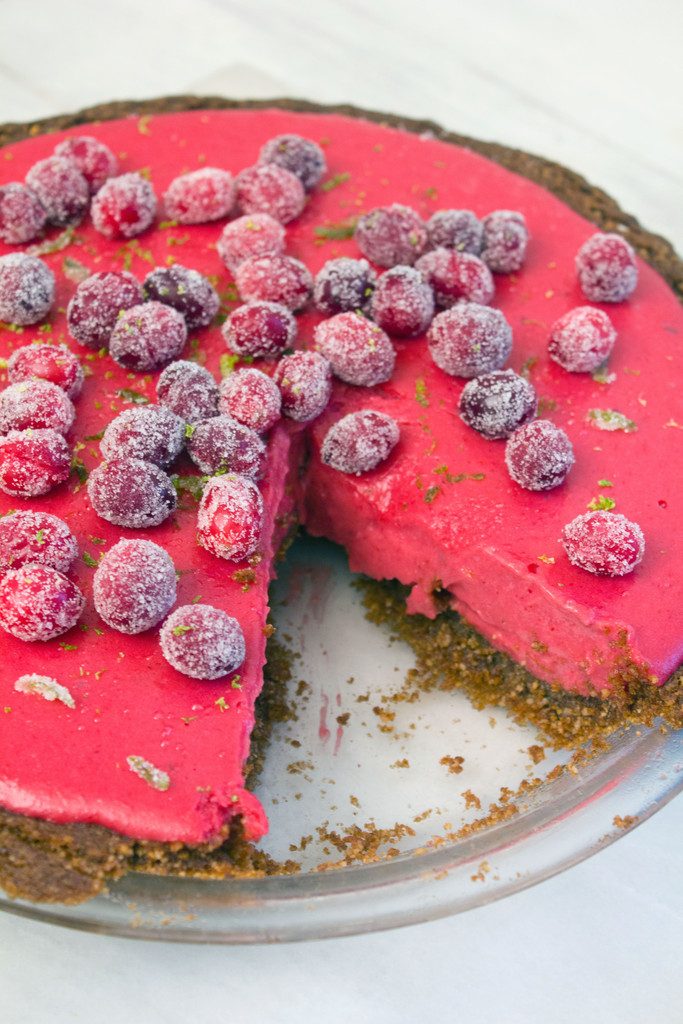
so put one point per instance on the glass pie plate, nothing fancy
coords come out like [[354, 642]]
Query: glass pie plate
[[360, 775]]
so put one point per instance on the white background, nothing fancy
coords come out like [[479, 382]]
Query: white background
[[595, 85]]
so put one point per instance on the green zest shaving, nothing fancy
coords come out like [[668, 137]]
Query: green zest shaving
[[610, 419], [145, 770]]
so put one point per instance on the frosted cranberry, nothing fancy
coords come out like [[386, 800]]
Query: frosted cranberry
[[22, 215], [279, 279], [300, 156], [582, 339], [230, 517], [267, 188], [148, 336], [94, 160], [497, 403], [149, 432], [260, 329], [252, 398], [202, 642], [188, 390], [344, 285], [222, 443], [32, 462], [53, 363], [305, 382], [604, 543], [27, 289], [134, 586], [36, 537], [403, 303], [358, 350], [38, 603], [61, 188], [132, 493], [456, 277], [389, 235], [607, 270], [35, 403], [360, 441], [469, 339], [505, 241], [539, 455], [200, 196], [186, 290], [248, 237], [96, 304], [455, 229], [124, 207]]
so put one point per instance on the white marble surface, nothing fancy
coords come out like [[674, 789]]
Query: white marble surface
[[595, 85]]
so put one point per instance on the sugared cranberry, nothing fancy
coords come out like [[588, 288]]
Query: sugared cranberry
[[95, 161], [360, 441], [222, 443], [389, 235], [267, 188], [96, 304], [27, 289], [539, 455], [188, 390], [505, 241], [403, 303], [36, 537], [22, 215], [202, 642], [260, 329], [343, 285], [131, 493], [604, 543], [61, 188], [305, 382], [149, 432], [200, 196], [134, 586], [469, 339], [358, 350], [124, 207], [497, 403], [456, 277], [186, 290], [249, 237], [38, 603], [230, 517], [148, 336], [606, 267], [299, 156], [35, 403], [582, 339], [53, 363], [455, 229], [32, 462], [279, 279], [252, 398]]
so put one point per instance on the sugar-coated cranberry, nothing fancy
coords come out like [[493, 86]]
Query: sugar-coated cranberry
[[95, 161], [149, 432], [582, 339], [252, 398], [222, 443], [469, 339], [402, 303], [455, 229], [299, 156], [257, 234], [230, 517], [389, 235], [275, 279], [27, 289], [358, 350], [343, 285], [53, 363], [186, 290], [188, 390], [124, 207], [96, 304], [134, 586], [36, 537], [606, 267], [202, 642], [360, 441], [61, 188], [148, 336], [22, 215], [200, 196], [260, 329], [505, 241], [132, 493], [268, 188], [604, 543], [456, 277], [35, 403], [38, 603], [32, 462], [495, 404], [539, 455], [305, 382]]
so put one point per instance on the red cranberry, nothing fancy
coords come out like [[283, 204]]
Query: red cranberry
[[94, 160], [260, 329], [186, 290], [403, 303], [148, 336], [607, 270], [582, 339], [124, 207], [455, 229], [22, 215], [188, 390], [249, 237], [61, 189], [35, 403], [53, 363], [497, 403], [252, 398], [36, 537], [27, 289], [134, 586], [505, 241], [200, 196], [604, 543], [344, 285], [468, 340], [267, 188], [96, 304], [132, 493], [360, 441], [149, 432], [456, 277], [230, 517], [221, 444], [539, 455], [38, 603], [389, 235], [275, 279], [202, 642], [32, 462], [358, 350], [305, 382], [297, 155]]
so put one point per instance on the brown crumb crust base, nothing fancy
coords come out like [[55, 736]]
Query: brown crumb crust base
[[46, 862]]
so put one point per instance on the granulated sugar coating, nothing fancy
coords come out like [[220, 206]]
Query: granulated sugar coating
[[582, 339], [604, 543], [252, 398], [188, 390], [360, 441], [456, 277], [53, 363], [343, 285], [202, 642], [268, 188], [185, 290], [124, 207], [38, 603], [221, 443], [260, 329], [606, 267], [389, 235], [22, 215], [32, 462], [134, 586], [150, 432], [131, 493], [403, 302], [200, 196], [147, 337], [257, 234], [35, 403], [359, 351], [455, 229], [299, 156], [281, 279], [36, 537], [94, 160], [96, 304], [305, 382], [495, 404], [505, 241], [539, 455], [230, 517], [469, 339], [27, 289], [62, 190]]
